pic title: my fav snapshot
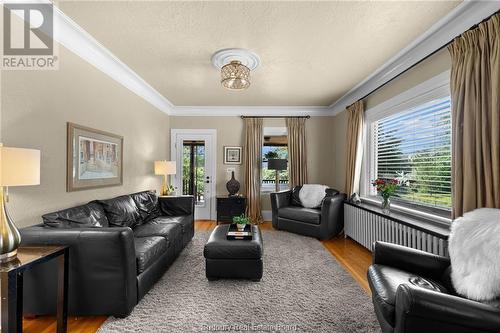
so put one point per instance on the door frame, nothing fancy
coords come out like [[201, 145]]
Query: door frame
[[174, 132]]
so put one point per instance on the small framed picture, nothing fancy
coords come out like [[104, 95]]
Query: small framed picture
[[232, 155]]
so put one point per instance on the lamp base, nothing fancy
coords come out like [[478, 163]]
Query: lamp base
[[6, 257]]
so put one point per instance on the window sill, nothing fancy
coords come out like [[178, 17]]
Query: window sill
[[431, 223], [412, 212]]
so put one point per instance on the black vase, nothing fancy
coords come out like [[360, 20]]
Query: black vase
[[233, 186]]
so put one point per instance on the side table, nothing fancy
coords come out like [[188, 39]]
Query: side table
[[11, 280], [229, 207]]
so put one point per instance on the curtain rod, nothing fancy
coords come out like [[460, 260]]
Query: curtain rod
[[429, 55], [243, 117]]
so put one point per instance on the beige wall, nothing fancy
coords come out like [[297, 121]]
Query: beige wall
[[230, 133], [429, 68], [35, 108]]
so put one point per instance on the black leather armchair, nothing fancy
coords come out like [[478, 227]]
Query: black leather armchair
[[322, 223], [412, 293], [118, 249]]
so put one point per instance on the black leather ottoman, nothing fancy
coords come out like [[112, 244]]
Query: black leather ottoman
[[233, 259]]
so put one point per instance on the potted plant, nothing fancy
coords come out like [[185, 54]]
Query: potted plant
[[241, 221], [386, 188]]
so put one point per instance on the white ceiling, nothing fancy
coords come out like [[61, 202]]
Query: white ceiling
[[312, 52]]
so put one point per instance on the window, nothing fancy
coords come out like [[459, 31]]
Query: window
[[413, 141], [275, 144]]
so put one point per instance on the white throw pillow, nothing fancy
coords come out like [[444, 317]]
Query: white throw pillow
[[474, 246], [311, 195]]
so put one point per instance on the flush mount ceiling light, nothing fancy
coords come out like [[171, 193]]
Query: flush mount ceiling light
[[235, 66]]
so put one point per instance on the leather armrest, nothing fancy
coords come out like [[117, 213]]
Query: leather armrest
[[408, 259], [176, 205], [423, 310], [102, 265], [332, 214], [279, 200]]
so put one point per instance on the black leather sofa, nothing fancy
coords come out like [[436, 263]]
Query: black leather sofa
[[118, 249], [323, 222], [412, 293]]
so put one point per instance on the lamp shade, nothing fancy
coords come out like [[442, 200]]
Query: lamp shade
[[165, 168], [19, 166], [276, 164]]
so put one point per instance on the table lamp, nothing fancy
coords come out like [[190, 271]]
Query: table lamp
[[165, 168], [18, 167], [277, 164]]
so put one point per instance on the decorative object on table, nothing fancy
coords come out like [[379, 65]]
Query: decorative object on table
[[474, 244], [312, 195], [233, 233], [235, 65], [19, 167], [277, 164], [232, 155], [355, 199], [229, 207], [232, 186], [165, 168], [241, 221], [386, 188], [95, 158]]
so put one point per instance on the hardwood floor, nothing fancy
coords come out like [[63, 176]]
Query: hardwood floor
[[352, 256]]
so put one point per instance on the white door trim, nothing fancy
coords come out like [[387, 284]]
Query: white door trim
[[213, 153]]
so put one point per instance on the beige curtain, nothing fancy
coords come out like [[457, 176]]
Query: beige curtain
[[297, 157], [253, 163], [475, 96], [355, 123]]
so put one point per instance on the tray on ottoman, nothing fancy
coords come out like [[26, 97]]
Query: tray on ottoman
[[233, 259]]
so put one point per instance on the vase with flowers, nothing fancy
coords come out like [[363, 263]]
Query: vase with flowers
[[386, 188]]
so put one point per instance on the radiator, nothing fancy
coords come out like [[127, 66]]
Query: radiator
[[366, 227]]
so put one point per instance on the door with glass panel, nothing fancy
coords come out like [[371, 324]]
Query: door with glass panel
[[195, 170]]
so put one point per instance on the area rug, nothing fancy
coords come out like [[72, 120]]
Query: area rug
[[303, 289]]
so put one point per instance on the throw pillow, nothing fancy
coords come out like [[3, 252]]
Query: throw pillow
[[311, 195], [474, 245]]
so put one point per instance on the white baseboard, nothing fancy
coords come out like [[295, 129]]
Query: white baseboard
[[267, 215]]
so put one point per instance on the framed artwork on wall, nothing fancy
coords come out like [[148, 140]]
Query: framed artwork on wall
[[232, 155], [94, 158]]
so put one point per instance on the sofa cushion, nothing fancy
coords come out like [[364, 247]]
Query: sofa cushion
[[148, 250], [295, 199], [121, 211], [184, 221], [147, 205], [170, 231], [307, 215], [89, 215], [384, 282]]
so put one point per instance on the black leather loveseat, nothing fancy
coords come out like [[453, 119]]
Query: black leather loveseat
[[118, 249], [412, 292], [323, 222]]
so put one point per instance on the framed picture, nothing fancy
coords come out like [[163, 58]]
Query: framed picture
[[95, 158], [232, 155]]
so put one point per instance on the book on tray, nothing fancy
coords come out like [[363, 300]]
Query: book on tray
[[233, 233]]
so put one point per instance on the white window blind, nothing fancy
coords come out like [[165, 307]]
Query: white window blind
[[416, 142]]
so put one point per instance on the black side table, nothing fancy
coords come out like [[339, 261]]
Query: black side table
[[228, 207], [11, 278]]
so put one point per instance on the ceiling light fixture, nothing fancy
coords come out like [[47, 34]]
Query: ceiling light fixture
[[235, 66]]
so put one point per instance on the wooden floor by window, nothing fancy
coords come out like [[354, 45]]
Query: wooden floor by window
[[352, 256]]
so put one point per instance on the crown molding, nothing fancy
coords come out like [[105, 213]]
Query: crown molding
[[462, 18], [76, 39], [221, 111]]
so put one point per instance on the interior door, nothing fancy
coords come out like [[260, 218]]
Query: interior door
[[194, 156]]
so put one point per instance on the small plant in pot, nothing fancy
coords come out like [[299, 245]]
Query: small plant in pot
[[241, 221]]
